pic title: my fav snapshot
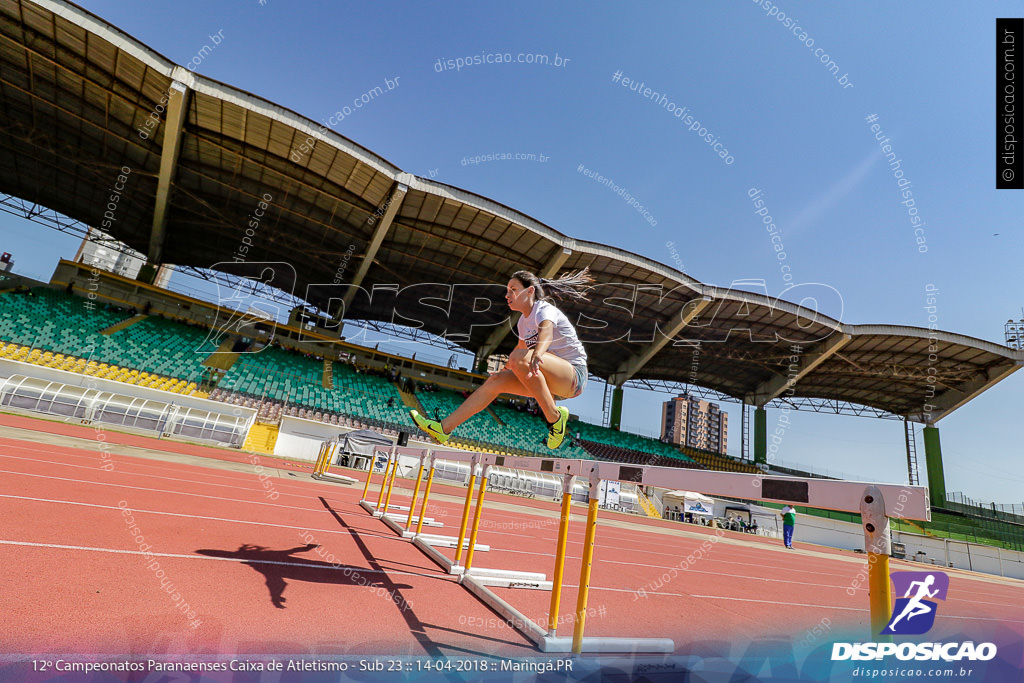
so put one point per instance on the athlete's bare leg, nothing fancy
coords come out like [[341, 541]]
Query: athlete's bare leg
[[504, 382], [556, 376]]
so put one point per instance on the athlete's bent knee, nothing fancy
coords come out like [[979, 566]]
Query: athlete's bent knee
[[517, 362]]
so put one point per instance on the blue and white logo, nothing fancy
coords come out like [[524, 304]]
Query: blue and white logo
[[914, 613]]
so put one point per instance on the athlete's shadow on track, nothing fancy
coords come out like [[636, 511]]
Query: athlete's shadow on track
[[278, 566]]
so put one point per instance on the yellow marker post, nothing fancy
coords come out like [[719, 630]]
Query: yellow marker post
[[878, 544], [383, 484], [476, 519], [387, 498], [319, 459], [465, 510], [563, 536], [588, 557], [426, 497], [322, 460], [415, 494], [328, 456], [369, 476], [879, 595]]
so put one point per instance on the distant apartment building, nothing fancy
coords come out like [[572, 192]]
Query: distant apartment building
[[689, 421]]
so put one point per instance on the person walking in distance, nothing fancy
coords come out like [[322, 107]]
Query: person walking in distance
[[788, 522], [548, 364]]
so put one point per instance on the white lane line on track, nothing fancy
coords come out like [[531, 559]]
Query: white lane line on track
[[770, 602], [855, 609], [60, 464], [213, 519], [240, 560], [174, 493]]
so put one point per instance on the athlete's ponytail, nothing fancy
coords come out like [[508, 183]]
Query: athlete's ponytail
[[570, 286]]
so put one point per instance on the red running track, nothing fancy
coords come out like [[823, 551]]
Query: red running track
[[78, 578], [309, 572]]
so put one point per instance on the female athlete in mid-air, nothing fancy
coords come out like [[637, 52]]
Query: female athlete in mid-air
[[548, 363]]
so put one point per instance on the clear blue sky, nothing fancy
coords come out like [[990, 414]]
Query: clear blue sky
[[794, 131]]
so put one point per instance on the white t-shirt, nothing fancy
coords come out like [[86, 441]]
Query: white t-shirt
[[564, 342]]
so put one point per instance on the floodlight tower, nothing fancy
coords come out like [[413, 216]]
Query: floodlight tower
[[1014, 333]]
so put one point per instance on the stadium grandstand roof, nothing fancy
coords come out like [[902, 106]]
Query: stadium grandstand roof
[[82, 104]]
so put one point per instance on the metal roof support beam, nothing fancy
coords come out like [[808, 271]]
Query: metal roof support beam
[[633, 365], [951, 399], [174, 128], [778, 384], [555, 261], [390, 210]]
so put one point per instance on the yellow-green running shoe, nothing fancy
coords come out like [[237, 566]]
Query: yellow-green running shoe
[[556, 433], [432, 427]]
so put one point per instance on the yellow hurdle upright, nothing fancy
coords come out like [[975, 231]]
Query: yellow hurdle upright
[[563, 536], [465, 510], [476, 519], [328, 454], [383, 484], [318, 468], [878, 544], [584, 589], [426, 497], [369, 476], [415, 495], [387, 497]]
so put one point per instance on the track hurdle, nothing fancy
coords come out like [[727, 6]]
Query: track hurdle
[[389, 513], [875, 502], [328, 449], [428, 543]]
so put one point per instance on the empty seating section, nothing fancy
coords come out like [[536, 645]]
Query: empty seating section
[[626, 440], [276, 374], [53, 329], [603, 451], [369, 395], [531, 431], [162, 347], [714, 461], [50, 320], [480, 427]]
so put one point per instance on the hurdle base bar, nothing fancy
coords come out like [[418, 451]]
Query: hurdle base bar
[[519, 621], [450, 542], [397, 517], [438, 557], [372, 508], [336, 478], [526, 583], [396, 523], [563, 645]]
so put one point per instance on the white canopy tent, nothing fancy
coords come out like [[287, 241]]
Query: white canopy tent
[[690, 501]]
